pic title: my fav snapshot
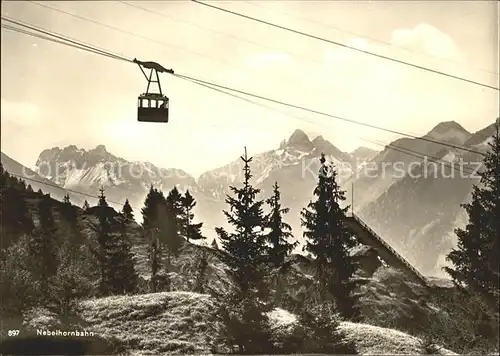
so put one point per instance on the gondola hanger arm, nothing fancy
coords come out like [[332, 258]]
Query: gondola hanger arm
[[153, 65]]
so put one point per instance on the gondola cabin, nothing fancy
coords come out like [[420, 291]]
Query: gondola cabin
[[152, 108]]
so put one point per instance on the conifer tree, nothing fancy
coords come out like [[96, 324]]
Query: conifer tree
[[102, 198], [68, 211], [103, 230], [86, 205], [43, 247], [189, 230], [121, 276], [243, 312], [214, 244], [329, 241], [16, 217], [279, 232], [171, 218], [69, 226], [475, 261], [29, 188], [174, 200], [127, 211], [151, 229]]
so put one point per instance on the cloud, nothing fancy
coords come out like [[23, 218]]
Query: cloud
[[428, 39], [22, 113]]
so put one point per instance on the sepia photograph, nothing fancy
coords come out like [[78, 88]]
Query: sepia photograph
[[263, 177]]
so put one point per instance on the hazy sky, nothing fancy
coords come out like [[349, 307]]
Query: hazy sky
[[54, 95]]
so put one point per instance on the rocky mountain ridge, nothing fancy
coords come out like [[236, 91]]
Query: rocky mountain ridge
[[408, 208]]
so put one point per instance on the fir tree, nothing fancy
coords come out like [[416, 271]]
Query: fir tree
[[69, 225], [86, 205], [280, 231], [66, 199], [103, 231], [171, 218], [243, 312], [319, 333], [102, 198], [29, 188], [121, 276], [475, 261], [329, 241], [214, 244], [127, 211], [151, 229], [16, 217], [190, 230], [43, 247]]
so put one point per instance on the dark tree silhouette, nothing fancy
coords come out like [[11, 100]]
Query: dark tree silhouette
[[43, 246], [102, 198], [151, 230], [121, 276], [279, 232], [243, 311], [329, 241], [127, 211], [172, 224], [189, 230], [475, 261]]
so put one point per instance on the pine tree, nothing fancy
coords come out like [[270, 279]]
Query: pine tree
[[151, 229], [102, 198], [29, 188], [189, 230], [103, 231], [86, 205], [214, 244], [171, 224], [243, 312], [43, 247], [280, 231], [475, 261], [121, 276], [329, 241], [127, 211], [69, 225], [16, 217]]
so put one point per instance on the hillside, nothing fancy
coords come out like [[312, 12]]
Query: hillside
[[388, 299], [37, 181], [179, 323], [422, 208]]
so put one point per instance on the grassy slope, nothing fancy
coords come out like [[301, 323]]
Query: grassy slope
[[177, 322]]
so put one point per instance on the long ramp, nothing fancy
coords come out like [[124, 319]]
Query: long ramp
[[369, 237]]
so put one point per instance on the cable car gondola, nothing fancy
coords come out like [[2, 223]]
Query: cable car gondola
[[152, 107]]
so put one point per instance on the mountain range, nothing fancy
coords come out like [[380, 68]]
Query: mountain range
[[413, 210]]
